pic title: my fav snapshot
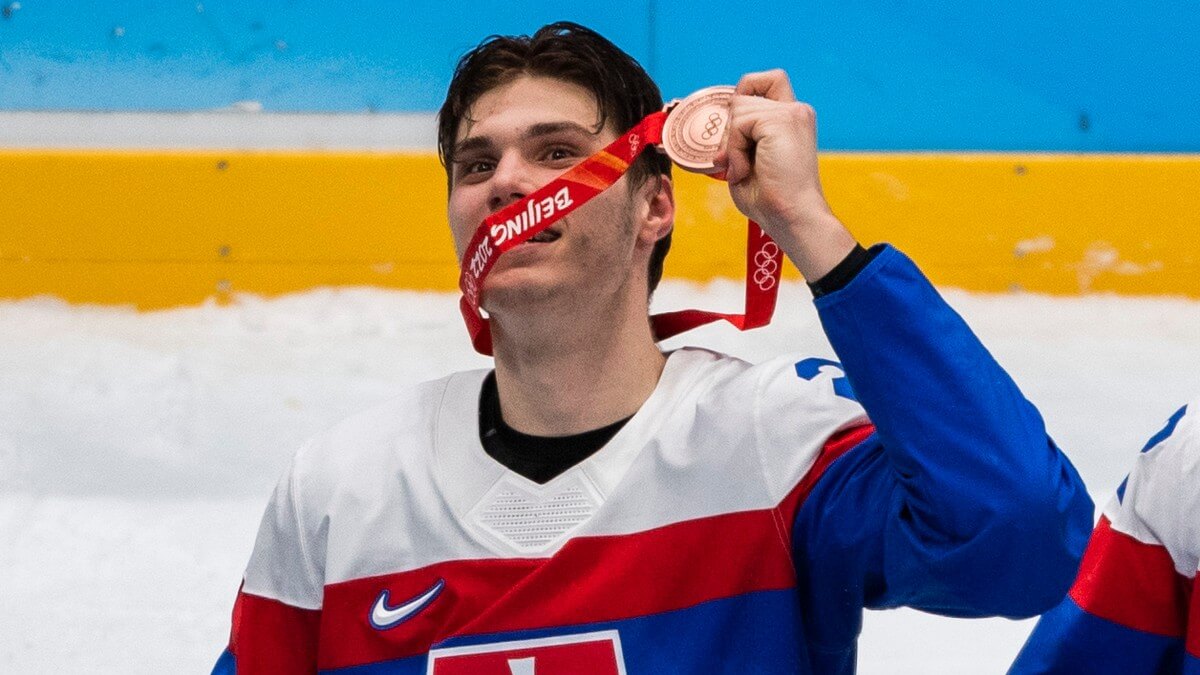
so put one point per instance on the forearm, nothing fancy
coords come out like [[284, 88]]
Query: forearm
[[980, 482]]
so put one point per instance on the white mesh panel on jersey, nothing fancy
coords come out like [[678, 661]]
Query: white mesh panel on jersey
[[534, 519]]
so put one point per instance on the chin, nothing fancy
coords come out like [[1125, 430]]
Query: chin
[[518, 287]]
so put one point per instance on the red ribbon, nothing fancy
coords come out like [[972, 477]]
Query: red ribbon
[[521, 220]]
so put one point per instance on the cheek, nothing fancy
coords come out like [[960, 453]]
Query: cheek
[[463, 222], [605, 236]]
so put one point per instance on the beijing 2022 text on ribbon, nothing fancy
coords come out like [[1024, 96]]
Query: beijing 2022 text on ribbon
[[690, 132]]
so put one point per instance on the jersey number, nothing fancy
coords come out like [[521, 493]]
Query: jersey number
[[818, 369]]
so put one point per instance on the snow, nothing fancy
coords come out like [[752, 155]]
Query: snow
[[137, 450]]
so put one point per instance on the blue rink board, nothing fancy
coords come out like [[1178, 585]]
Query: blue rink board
[[894, 75]]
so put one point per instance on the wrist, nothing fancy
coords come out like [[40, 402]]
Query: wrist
[[817, 246], [845, 272]]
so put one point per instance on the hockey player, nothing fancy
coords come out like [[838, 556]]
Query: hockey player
[[594, 505], [1135, 606]]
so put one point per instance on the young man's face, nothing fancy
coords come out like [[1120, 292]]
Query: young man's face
[[516, 138]]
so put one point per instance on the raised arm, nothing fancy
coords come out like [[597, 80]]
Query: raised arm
[[959, 503]]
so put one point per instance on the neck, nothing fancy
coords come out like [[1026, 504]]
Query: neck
[[567, 372]]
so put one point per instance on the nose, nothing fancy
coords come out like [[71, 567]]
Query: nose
[[511, 181]]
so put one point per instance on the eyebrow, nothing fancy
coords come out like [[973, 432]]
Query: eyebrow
[[534, 131]]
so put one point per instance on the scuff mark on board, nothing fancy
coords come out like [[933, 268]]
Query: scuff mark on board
[[1025, 247], [1101, 257]]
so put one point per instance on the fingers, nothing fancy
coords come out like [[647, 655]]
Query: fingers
[[765, 105], [751, 119], [739, 148], [771, 84]]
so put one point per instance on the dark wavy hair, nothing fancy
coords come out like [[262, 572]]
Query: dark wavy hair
[[572, 53]]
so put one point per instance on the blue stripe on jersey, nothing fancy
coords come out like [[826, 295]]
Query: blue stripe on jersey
[[752, 633], [1161, 436], [1166, 431], [1067, 641], [1191, 665], [225, 665]]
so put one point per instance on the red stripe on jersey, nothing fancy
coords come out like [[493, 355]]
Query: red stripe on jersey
[[590, 579], [1131, 583], [837, 445], [348, 638], [273, 638], [1193, 626]]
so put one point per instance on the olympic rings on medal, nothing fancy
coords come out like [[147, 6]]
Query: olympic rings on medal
[[715, 122]]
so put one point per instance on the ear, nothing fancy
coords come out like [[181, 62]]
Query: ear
[[656, 201]]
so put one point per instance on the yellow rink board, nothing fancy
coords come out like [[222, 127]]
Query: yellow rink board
[[159, 229]]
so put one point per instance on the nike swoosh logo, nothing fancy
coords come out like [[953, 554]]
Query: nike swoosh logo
[[384, 617]]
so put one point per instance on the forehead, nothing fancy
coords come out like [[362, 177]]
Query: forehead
[[526, 101]]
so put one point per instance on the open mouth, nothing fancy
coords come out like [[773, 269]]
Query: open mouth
[[545, 236]]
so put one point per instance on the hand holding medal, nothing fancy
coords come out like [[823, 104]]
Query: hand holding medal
[[770, 161]]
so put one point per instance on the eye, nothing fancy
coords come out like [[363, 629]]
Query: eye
[[561, 153], [475, 168]]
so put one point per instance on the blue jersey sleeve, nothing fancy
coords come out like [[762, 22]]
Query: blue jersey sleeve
[[225, 665], [959, 504]]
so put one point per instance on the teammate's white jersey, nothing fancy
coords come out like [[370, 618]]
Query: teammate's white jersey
[[1135, 606]]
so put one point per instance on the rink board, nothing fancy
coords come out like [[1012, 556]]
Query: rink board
[[160, 228]]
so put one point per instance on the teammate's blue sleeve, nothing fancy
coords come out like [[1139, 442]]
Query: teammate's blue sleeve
[[1068, 640], [225, 664], [959, 504]]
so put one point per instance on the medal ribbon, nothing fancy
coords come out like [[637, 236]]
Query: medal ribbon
[[521, 220]]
